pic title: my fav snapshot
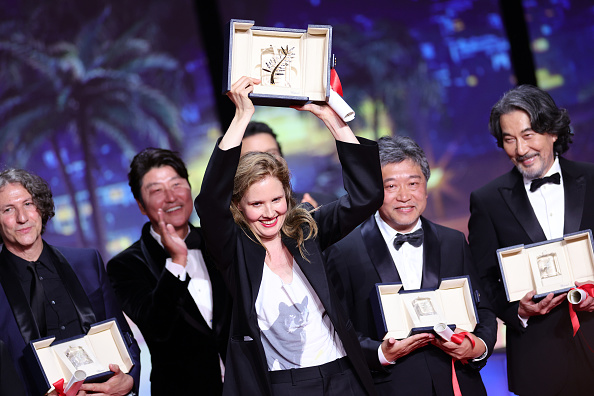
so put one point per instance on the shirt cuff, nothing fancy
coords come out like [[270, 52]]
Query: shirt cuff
[[179, 271], [523, 322], [484, 355], [382, 358]]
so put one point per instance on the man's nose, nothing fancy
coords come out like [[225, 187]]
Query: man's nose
[[403, 195], [169, 195], [521, 147], [21, 216]]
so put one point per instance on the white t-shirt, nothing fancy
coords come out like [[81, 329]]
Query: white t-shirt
[[294, 326]]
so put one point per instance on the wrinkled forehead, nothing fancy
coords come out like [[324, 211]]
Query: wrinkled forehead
[[13, 193]]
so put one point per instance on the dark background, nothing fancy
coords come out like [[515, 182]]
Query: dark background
[[86, 85]]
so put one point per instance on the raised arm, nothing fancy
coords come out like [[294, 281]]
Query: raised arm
[[244, 110], [339, 129]]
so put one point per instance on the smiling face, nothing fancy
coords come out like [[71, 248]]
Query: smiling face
[[20, 221], [264, 207], [405, 195], [162, 188], [531, 152]]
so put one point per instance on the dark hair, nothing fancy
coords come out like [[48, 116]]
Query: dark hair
[[40, 191], [148, 159], [255, 127], [399, 148], [545, 116]]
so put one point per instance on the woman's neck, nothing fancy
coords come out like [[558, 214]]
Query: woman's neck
[[279, 260]]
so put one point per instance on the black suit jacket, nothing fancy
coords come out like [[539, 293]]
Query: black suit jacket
[[361, 260], [501, 216], [10, 382], [84, 277], [242, 260], [184, 349]]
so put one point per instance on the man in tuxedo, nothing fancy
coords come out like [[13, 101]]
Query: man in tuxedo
[[543, 197], [47, 290], [167, 284], [397, 244]]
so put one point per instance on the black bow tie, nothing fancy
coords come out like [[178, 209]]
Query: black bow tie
[[414, 238], [537, 183]]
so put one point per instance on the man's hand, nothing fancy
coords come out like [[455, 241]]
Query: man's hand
[[463, 351], [588, 304], [172, 242], [530, 308], [119, 385], [394, 349]]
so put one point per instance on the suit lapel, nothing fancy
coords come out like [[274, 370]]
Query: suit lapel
[[254, 255], [220, 295], [378, 251], [75, 290], [155, 256], [18, 303], [574, 186], [431, 257], [516, 199]]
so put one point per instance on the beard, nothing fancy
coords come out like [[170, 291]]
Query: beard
[[534, 171]]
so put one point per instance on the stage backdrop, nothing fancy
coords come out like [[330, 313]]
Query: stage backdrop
[[86, 85]]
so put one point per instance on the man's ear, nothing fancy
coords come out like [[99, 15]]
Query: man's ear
[[141, 207]]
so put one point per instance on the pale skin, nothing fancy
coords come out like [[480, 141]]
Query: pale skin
[[278, 258], [20, 228]]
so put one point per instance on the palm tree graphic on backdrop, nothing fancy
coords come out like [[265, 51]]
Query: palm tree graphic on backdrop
[[76, 91]]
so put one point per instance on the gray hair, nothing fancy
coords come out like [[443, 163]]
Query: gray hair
[[38, 188], [399, 148]]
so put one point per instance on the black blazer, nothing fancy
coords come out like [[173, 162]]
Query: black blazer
[[242, 260], [501, 216], [10, 382], [181, 344], [84, 277], [362, 259]]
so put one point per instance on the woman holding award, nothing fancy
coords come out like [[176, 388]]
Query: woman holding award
[[289, 334]]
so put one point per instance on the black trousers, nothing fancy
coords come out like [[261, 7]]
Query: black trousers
[[335, 378]]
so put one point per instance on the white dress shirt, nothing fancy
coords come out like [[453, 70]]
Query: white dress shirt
[[409, 263], [199, 286], [548, 203], [408, 259]]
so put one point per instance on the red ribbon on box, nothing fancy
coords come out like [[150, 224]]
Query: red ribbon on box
[[59, 386], [335, 82], [458, 338], [575, 322]]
